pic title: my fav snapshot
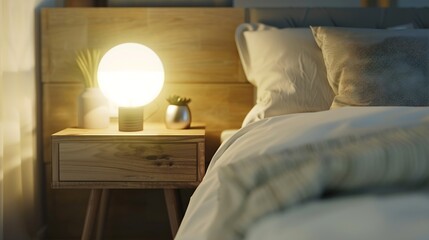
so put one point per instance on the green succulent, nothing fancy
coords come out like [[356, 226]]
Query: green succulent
[[177, 100]]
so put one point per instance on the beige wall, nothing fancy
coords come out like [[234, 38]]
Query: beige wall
[[21, 213]]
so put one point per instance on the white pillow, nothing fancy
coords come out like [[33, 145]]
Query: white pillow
[[287, 68]]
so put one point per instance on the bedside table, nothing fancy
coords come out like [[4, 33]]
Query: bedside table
[[103, 159]]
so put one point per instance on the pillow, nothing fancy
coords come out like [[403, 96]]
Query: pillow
[[376, 67], [286, 67]]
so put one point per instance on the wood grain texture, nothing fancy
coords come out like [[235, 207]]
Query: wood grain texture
[[153, 131], [123, 161], [195, 44], [88, 157]]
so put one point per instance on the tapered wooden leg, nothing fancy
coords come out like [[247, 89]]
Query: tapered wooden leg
[[91, 212], [102, 211], [174, 209]]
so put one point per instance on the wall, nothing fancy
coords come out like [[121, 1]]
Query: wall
[[21, 166]]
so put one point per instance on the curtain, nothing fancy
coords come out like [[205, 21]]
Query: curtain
[[20, 167]]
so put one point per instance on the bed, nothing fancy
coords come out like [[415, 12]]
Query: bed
[[336, 145]]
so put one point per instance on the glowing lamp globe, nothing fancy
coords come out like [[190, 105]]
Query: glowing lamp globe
[[131, 75]]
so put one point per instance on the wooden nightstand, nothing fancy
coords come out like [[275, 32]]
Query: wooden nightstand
[[102, 159]]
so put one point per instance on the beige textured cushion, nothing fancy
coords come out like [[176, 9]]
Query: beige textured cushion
[[376, 67]]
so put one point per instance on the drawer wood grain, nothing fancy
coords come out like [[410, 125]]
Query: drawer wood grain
[[106, 158], [119, 161]]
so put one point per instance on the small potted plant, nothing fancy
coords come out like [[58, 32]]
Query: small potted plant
[[178, 114]]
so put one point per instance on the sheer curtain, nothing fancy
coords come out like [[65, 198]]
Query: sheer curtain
[[21, 171]]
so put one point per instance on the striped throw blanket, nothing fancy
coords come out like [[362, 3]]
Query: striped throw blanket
[[253, 189]]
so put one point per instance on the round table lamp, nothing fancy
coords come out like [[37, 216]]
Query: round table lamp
[[131, 75]]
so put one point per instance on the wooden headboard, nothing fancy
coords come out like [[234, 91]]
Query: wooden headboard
[[196, 46]]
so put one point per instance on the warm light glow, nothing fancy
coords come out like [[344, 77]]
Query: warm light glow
[[131, 75]]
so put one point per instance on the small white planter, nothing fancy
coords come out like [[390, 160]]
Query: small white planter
[[93, 109], [178, 117]]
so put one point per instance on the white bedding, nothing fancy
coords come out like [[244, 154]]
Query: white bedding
[[226, 134], [393, 217], [371, 215]]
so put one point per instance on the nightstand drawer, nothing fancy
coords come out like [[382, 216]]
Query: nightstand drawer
[[127, 161]]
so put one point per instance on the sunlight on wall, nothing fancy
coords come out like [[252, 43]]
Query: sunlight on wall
[[20, 175], [1, 124]]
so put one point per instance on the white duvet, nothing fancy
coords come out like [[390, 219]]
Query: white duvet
[[368, 216]]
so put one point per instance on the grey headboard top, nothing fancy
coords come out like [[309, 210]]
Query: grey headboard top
[[340, 17]]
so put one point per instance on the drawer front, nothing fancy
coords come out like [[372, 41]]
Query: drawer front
[[122, 161]]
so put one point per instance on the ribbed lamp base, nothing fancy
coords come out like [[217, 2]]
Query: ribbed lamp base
[[130, 119]]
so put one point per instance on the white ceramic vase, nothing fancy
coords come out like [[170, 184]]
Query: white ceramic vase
[[178, 117], [93, 109]]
